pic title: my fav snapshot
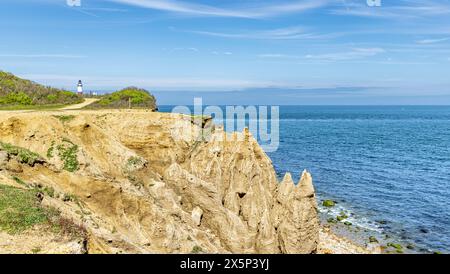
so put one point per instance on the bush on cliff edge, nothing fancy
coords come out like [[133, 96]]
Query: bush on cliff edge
[[131, 97]]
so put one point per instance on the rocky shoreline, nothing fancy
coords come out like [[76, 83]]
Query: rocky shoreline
[[330, 243], [208, 196], [367, 235]]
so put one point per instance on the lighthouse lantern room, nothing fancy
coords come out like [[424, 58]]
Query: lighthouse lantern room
[[80, 88]]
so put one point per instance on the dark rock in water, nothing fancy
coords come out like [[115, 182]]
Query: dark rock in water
[[341, 217], [424, 230], [348, 223], [396, 246], [328, 203], [332, 221], [410, 246], [372, 239], [381, 222]]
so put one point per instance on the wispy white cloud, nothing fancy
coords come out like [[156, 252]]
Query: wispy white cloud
[[197, 50], [353, 54], [61, 56], [175, 83], [432, 41], [288, 33], [103, 9], [259, 11], [357, 53], [278, 55], [182, 49], [222, 52]]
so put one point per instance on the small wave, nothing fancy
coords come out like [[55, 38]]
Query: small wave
[[359, 221]]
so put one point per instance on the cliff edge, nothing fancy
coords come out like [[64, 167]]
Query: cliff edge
[[130, 186]]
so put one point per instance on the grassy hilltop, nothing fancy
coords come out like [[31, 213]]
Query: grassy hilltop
[[16, 93], [130, 97]]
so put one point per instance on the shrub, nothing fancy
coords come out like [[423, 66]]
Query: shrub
[[129, 97], [16, 91], [52, 97], [17, 98]]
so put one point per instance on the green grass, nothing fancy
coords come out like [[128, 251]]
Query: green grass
[[24, 155], [19, 209], [134, 161], [36, 250], [196, 249], [68, 154], [49, 191], [19, 181], [31, 107], [64, 118], [50, 150]]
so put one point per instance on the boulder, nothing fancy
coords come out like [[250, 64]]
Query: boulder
[[197, 214]]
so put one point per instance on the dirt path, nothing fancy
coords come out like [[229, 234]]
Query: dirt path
[[86, 102]]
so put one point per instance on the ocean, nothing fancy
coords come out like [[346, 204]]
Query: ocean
[[387, 167]]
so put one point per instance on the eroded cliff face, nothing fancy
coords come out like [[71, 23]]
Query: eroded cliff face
[[138, 188]]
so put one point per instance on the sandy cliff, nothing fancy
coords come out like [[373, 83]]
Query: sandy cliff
[[136, 187]]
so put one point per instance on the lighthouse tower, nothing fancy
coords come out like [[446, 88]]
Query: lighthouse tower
[[80, 88]]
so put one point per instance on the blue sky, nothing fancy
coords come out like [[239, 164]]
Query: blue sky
[[275, 51]]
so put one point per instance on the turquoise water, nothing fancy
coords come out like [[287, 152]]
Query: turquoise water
[[387, 165]]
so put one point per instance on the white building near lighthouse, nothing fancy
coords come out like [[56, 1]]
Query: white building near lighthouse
[[80, 88]]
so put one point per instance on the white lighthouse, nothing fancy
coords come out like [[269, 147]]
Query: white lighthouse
[[80, 88]]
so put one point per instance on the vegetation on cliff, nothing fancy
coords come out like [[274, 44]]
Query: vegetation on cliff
[[15, 91], [24, 155], [19, 209], [130, 97], [66, 151]]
